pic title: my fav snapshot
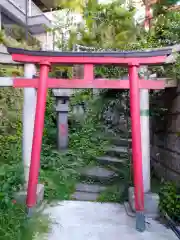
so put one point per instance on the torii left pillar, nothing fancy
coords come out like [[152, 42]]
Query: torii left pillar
[[32, 200], [28, 118]]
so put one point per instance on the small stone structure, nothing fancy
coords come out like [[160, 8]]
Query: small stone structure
[[62, 109]]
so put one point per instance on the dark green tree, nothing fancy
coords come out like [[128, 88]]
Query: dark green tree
[[162, 6], [104, 26]]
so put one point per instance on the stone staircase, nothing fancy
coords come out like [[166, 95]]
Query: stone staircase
[[95, 179]]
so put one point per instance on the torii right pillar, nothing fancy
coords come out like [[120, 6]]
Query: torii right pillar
[[136, 146], [140, 97], [151, 200]]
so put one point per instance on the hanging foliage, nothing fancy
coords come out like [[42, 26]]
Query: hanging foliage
[[105, 25], [162, 6]]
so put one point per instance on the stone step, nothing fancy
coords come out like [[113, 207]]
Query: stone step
[[118, 151], [111, 160], [119, 141], [89, 188], [119, 130], [99, 174], [85, 196], [118, 136]]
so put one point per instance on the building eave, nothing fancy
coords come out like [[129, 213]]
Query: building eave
[[46, 5]]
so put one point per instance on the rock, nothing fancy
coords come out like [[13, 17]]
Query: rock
[[90, 188], [98, 174], [85, 196]]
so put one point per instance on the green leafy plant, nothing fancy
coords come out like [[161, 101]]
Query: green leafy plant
[[14, 224], [60, 170], [13, 218], [112, 194], [170, 200], [103, 26], [12, 40], [18, 33], [11, 180]]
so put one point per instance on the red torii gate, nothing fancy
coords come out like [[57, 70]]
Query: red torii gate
[[132, 60]]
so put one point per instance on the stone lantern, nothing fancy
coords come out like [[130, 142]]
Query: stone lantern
[[62, 109]]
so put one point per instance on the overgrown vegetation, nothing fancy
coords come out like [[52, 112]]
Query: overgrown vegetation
[[15, 37], [118, 191], [112, 194], [60, 170], [14, 224], [170, 200], [18, 33]]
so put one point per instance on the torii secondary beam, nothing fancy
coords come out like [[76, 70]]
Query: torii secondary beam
[[87, 83]]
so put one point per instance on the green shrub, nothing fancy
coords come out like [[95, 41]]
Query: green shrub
[[60, 170], [15, 37], [18, 33], [11, 180], [14, 224], [10, 138], [112, 194], [170, 201]]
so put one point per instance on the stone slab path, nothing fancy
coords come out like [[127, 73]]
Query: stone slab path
[[96, 179], [75, 220]]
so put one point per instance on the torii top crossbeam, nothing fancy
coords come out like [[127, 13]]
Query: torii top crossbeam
[[155, 56], [125, 58], [130, 59]]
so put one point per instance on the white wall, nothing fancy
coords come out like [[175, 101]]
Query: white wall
[[60, 21], [46, 38], [42, 39]]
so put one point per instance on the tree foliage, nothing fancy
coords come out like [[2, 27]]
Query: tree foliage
[[104, 25], [166, 29], [74, 5], [162, 6]]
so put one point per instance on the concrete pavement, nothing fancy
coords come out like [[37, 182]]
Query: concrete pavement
[[75, 220]]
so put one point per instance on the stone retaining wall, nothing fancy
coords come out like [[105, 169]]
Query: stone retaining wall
[[165, 138]]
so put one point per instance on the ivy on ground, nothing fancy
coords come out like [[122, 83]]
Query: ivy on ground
[[60, 170]]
